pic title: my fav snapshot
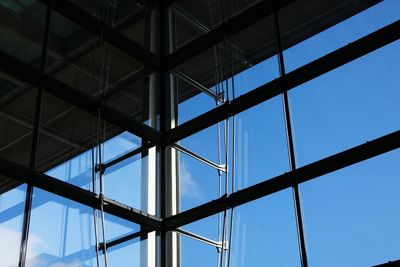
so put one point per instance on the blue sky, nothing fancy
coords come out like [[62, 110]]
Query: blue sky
[[350, 216]]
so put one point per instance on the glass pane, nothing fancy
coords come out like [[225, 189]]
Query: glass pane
[[264, 231], [126, 182], [205, 143], [192, 101], [79, 59], [185, 28], [116, 227], [350, 216], [254, 56], [260, 144], [348, 106], [21, 30], [351, 29], [195, 253], [12, 204], [17, 111], [132, 96], [210, 227], [67, 137], [85, 63], [61, 232], [132, 253], [198, 182]]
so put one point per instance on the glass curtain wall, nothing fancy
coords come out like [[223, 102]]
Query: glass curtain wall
[[199, 133]]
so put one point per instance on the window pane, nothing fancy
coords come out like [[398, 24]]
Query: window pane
[[116, 227], [12, 204], [61, 232], [17, 112], [264, 232], [350, 216], [261, 149], [339, 35], [130, 253], [195, 253], [21, 30], [126, 182], [348, 106], [198, 182], [254, 56]]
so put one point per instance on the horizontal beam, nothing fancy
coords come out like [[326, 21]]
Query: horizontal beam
[[327, 165], [77, 98], [121, 240], [72, 192], [389, 264], [234, 25], [92, 24], [331, 61]]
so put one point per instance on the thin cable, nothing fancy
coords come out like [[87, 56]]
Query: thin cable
[[101, 133], [218, 90], [93, 155], [233, 160], [290, 142]]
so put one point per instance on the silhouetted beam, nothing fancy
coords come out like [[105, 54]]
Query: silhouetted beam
[[69, 191], [327, 165], [329, 62], [389, 264], [92, 24], [77, 98], [234, 25]]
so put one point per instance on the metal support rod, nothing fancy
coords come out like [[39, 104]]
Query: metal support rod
[[190, 18], [290, 143], [198, 85], [199, 158], [199, 238], [35, 143]]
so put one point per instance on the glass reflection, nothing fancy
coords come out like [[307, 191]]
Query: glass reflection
[[61, 232], [350, 216], [12, 204]]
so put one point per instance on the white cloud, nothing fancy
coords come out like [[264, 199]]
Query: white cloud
[[9, 246], [188, 186], [63, 264]]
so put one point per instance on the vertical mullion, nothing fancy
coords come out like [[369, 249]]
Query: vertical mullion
[[163, 109], [289, 136], [35, 141]]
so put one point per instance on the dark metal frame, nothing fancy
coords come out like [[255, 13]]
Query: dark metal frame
[[166, 137], [324, 64], [290, 143], [327, 165], [72, 192], [77, 98]]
